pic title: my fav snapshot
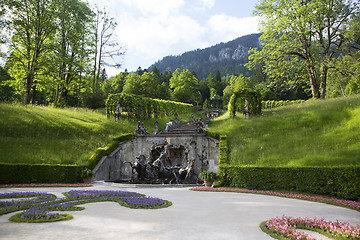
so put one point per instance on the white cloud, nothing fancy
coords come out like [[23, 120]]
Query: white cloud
[[150, 7], [152, 29], [226, 27], [159, 35]]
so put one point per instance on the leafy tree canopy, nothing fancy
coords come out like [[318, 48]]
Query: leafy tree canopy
[[306, 34], [184, 86]]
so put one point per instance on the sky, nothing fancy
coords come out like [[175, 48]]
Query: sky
[[149, 30]]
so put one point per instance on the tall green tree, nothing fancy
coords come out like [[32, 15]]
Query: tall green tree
[[184, 86], [132, 84], [305, 34], [115, 84], [215, 83], [72, 54], [3, 23], [32, 28], [106, 48], [149, 85], [235, 84], [345, 78]]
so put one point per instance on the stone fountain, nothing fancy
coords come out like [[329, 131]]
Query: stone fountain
[[176, 155]]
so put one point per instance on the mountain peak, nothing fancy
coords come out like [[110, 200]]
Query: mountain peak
[[228, 58]]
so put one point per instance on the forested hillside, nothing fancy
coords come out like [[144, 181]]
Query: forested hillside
[[228, 58]]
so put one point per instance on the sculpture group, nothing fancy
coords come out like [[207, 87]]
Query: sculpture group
[[162, 171]]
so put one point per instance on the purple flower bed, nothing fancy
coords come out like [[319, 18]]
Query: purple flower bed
[[45, 185], [40, 206], [340, 202], [287, 227]]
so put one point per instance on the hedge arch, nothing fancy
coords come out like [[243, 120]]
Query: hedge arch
[[237, 102], [139, 107]]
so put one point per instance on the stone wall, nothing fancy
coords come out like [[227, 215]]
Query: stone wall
[[183, 148]]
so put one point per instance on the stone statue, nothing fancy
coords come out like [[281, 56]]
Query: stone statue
[[246, 110], [156, 130], [200, 125], [140, 129], [176, 121], [187, 173], [192, 120], [118, 111], [169, 126], [139, 167]]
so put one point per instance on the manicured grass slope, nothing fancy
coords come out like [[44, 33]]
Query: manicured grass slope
[[39, 135], [33, 134], [320, 133]]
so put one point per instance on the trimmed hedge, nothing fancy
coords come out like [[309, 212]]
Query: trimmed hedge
[[274, 104], [24, 173], [45, 173], [341, 182], [212, 134], [100, 152], [139, 107], [223, 150]]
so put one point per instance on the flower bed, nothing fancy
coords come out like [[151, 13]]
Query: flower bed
[[339, 202], [45, 185], [40, 207], [287, 227]]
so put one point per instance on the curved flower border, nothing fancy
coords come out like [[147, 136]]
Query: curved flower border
[[286, 226], [334, 201], [44, 207], [25, 185]]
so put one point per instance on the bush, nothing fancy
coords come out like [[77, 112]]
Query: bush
[[212, 134], [208, 175], [93, 100], [274, 104], [139, 107], [223, 150], [342, 182], [100, 152], [24, 173]]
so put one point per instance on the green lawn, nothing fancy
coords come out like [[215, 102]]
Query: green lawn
[[34, 134], [39, 135], [320, 133]]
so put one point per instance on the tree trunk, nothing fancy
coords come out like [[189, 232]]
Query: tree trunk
[[64, 94], [28, 85], [33, 100], [56, 95], [313, 83], [323, 81], [79, 99]]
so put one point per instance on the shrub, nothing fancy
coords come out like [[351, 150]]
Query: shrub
[[100, 152], [139, 107], [25, 173], [223, 150], [342, 182], [212, 134], [93, 100], [273, 104], [208, 175]]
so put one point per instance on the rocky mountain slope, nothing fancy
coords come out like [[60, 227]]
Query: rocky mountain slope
[[228, 58]]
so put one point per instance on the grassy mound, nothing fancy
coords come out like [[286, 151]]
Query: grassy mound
[[321, 133], [36, 135], [46, 135]]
